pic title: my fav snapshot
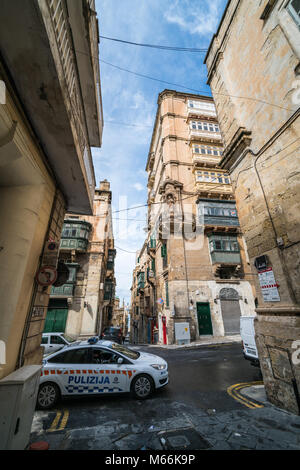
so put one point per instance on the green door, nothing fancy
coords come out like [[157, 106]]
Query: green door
[[57, 315], [204, 318]]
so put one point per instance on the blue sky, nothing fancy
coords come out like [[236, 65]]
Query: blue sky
[[130, 102]]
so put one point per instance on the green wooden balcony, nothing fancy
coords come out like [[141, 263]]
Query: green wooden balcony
[[75, 235], [67, 289], [225, 257]]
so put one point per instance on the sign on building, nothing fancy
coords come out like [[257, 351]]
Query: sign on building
[[268, 285]]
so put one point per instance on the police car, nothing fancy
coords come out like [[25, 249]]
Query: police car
[[99, 367]]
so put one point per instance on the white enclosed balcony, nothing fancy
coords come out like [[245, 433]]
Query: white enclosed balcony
[[205, 135], [206, 154], [206, 160], [53, 63], [201, 108]]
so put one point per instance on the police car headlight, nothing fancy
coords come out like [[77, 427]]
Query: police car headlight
[[158, 366]]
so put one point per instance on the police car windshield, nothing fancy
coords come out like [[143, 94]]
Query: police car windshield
[[127, 352]]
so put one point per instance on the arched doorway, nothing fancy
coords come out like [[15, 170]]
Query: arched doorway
[[231, 312]]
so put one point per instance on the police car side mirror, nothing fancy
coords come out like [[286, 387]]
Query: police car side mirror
[[120, 360]]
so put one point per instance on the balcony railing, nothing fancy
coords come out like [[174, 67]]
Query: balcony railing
[[194, 134], [213, 187], [225, 257], [210, 160], [201, 112], [67, 290]]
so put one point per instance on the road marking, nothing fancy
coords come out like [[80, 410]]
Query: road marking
[[56, 420], [64, 421], [233, 391]]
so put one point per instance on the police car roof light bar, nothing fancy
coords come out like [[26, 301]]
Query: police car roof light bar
[[93, 340]]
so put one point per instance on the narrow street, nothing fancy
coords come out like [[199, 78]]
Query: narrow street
[[195, 404], [149, 242]]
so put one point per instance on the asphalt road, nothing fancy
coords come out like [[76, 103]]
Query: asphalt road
[[193, 412], [199, 378]]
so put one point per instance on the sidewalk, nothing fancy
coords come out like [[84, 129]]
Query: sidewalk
[[209, 341]]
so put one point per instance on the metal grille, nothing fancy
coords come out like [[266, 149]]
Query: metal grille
[[231, 314]]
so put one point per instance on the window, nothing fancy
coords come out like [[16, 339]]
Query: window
[[293, 8], [167, 293], [222, 243], [126, 352], [164, 251], [141, 280], [212, 177], [201, 105], [219, 212], [57, 340], [45, 340], [207, 150], [153, 265], [204, 126], [74, 356], [102, 356]]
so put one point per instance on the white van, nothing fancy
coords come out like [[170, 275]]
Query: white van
[[53, 342], [248, 339]]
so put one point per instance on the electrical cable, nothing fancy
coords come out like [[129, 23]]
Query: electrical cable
[[152, 78], [122, 249], [193, 89], [157, 46]]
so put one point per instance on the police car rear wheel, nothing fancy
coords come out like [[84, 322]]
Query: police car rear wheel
[[142, 386], [47, 396]]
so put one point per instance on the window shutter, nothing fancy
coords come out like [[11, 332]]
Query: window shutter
[[163, 251]]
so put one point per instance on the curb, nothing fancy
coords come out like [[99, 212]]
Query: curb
[[189, 346], [234, 392]]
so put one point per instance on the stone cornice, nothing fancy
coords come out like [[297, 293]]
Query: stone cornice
[[240, 141]]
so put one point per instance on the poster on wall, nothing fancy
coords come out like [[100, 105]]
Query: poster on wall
[[268, 285]]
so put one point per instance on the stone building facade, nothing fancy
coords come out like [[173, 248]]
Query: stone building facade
[[193, 267], [83, 305], [120, 316], [253, 67], [47, 129]]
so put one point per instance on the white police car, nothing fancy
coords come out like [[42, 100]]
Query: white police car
[[99, 367]]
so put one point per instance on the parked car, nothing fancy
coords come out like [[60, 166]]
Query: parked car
[[98, 367], [53, 342], [248, 339], [113, 333]]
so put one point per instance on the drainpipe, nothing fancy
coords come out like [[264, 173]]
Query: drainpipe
[[185, 264], [257, 156]]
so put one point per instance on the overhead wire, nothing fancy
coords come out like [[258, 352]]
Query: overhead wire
[[193, 89], [156, 46]]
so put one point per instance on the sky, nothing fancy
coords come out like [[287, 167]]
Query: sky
[[130, 102]]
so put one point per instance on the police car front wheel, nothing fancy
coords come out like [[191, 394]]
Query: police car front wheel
[[48, 395], [142, 386]]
